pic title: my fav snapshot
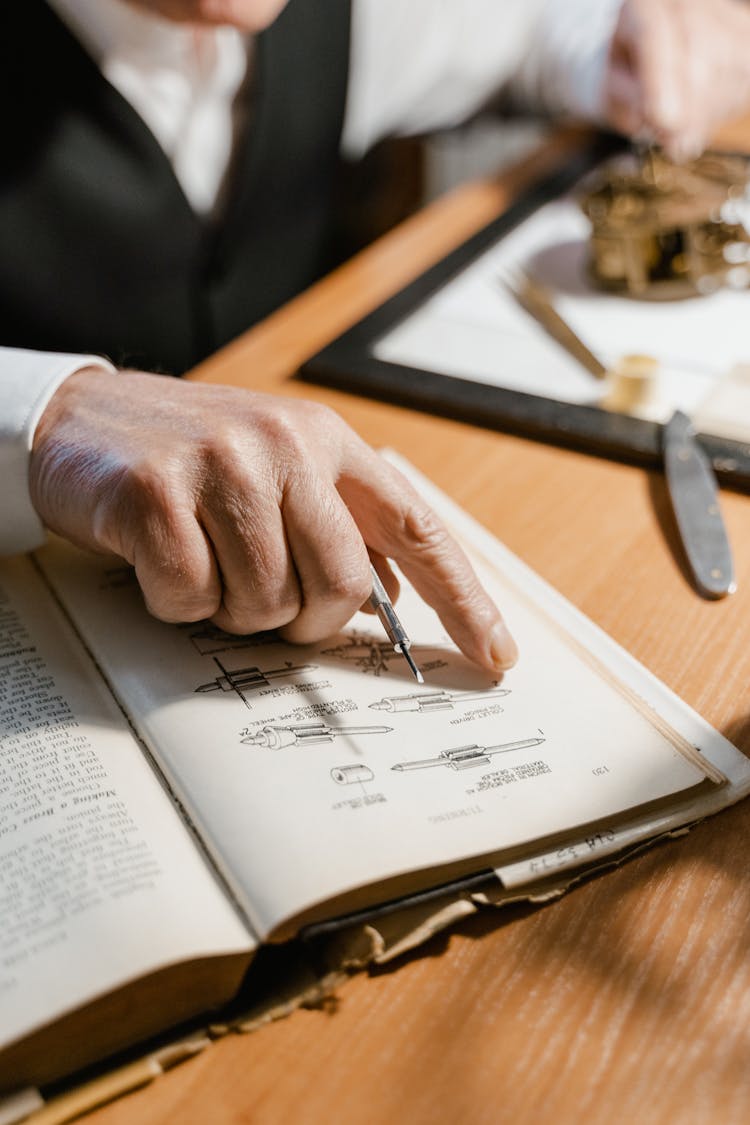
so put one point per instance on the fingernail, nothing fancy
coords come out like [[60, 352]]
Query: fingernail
[[503, 648]]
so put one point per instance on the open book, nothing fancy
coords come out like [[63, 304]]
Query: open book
[[172, 797]]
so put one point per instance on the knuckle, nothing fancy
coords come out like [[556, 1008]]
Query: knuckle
[[268, 609], [286, 459], [279, 438], [148, 490], [224, 457], [236, 485], [285, 430], [345, 588], [422, 530], [181, 605], [147, 513], [470, 600], [224, 446], [172, 588], [317, 414], [313, 426]]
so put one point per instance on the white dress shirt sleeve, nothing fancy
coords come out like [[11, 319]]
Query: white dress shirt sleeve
[[28, 380], [430, 64]]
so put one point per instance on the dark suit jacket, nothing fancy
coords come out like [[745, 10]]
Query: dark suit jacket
[[99, 249]]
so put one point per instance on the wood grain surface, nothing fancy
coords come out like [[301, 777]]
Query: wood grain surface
[[629, 999]]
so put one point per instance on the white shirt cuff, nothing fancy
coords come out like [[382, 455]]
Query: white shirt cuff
[[28, 380]]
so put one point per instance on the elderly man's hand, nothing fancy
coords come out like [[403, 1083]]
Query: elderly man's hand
[[677, 70], [254, 511]]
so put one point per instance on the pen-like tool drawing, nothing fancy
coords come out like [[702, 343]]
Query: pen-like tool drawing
[[366, 653], [435, 700], [305, 734], [208, 639], [244, 680], [466, 757], [349, 775]]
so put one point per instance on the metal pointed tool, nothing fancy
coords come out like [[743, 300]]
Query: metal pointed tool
[[695, 499], [535, 299], [383, 606]]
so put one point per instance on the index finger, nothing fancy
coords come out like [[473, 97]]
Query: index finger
[[396, 521]]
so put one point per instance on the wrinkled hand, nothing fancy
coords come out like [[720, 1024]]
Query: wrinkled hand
[[254, 511], [678, 69]]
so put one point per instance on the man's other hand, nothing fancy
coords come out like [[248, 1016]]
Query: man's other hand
[[677, 70]]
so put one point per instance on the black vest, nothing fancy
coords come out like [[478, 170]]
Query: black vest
[[99, 249]]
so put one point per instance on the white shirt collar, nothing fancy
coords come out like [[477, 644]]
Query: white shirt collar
[[182, 79]]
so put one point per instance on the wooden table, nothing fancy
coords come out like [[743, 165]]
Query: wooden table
[[629, 999]]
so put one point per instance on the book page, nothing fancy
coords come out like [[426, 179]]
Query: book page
[[314, 770], [100, 882]]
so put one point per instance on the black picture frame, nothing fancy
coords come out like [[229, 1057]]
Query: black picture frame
[[348, 363]]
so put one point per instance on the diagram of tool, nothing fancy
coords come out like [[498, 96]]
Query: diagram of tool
[[367, 653], [304, 734], [115, 577], [243, 681], [208, 639], [435, 700], [350, 775], [467, 757]]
